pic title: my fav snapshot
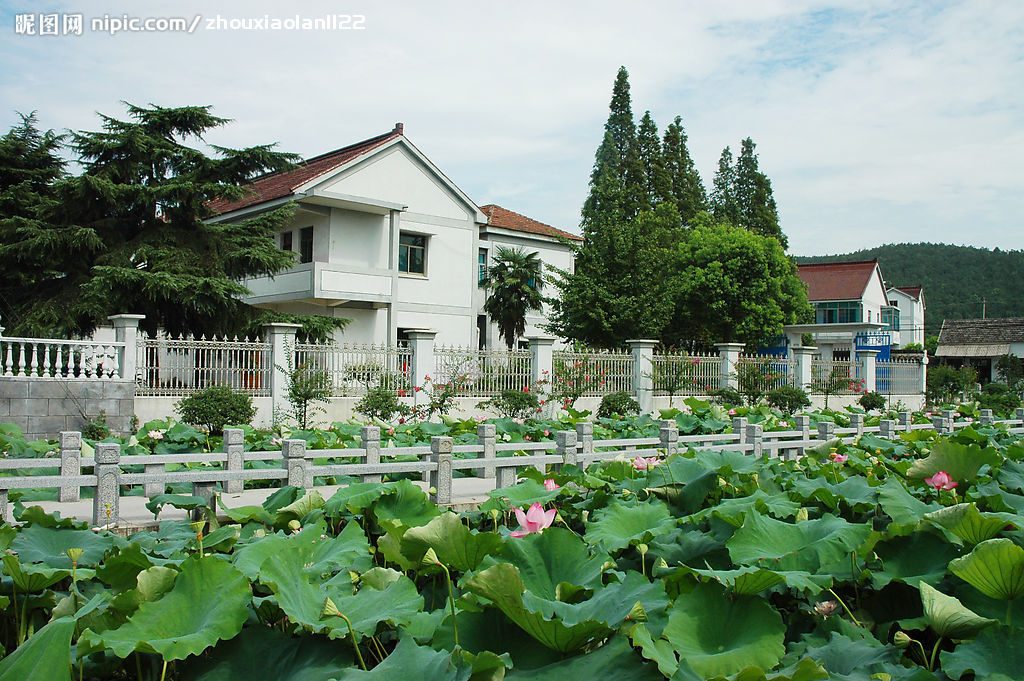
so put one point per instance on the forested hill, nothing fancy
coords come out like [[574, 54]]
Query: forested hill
[[956, 279]]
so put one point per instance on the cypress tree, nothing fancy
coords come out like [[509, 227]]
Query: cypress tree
[[723, 194], [753, 192], [686, 189], [657, 185]]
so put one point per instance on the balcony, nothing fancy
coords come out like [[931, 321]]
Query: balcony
[[321, 283]]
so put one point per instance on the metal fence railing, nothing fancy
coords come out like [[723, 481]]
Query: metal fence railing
[[840, 377], [483, 373], [594, 373], [353, 369], [898, 378], [182, 366], [766, 372], [683, 373]]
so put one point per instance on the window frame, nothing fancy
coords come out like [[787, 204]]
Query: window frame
[[303, 257], [407, 247]]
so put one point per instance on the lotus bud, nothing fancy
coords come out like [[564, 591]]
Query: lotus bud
[[329, 609], [801, 514], [494, 513], [901, 639], [75, 555], [642, 548]]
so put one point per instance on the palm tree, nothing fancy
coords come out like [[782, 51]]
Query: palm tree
[[514, 285]]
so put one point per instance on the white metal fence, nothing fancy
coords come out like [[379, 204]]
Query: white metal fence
[[59, 358], [483, 373], [682, 373], [182, 366], [898, 378], [838, 377], [593, 373], [354, 369], [764, 373]]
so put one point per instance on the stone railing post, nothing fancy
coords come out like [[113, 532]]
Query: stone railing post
[[107, 468], [486, 437], [565, 447], [293, 458], [887, 429], [151, 489], [207, 491], [985, 416], [234, 459], [939, 424], [868, 368], [669, 434], [542, 359], [421, 342], [1019, 414], [906, 422], [440, 479], [585, 438], [802, 423], [730, 354], [643, 379], [126, 330], [70, 463], [857, 421], [755, 438], [282, 355], [803, 355], [369, 437], [826, 430], [739, 427]]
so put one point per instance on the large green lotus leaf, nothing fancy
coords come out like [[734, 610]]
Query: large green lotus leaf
[[523, 494], [804, 670], [1011, 475], [855, 492], [718, 635], [614, 660], [248, 514], [684, 546], [611, 604], [262, 653], [208, 603], [995, 568], [732, 510], [726, 461], [185, 502], [802, 546], [354, 498], [31, 578], [410, 661], [618, 525], [312, 550], [35, 515], [407, 505], [998, 499], [902, 506], [961, 462], [302, 594], [997, 654], [45, 656], [490, 630], [748, 580], [920, 557], [454, 544], [150, 584], [948, 617], [300, 508], [683, 483], [120, 570], [555, 556], [970, 525], [38, 544], [851, 659]]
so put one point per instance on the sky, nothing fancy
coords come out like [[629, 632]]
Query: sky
[[877, 121]]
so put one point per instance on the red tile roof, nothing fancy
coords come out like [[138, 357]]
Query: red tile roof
[[281, 184], [912, 291], [837, 280], [507, 219]]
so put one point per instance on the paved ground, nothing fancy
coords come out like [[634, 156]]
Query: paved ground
[[467, 493]]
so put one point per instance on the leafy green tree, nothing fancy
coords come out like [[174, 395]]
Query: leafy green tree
[[514, 286], [686, 189], [656, 182], [129, 234], [724, 204], [734, 285], [753, 191]]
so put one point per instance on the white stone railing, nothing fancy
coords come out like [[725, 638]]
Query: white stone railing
[[52, 358]]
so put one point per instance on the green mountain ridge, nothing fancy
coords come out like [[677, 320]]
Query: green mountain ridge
[[960, 282]]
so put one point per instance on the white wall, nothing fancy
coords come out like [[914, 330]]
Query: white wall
[[358, 239]]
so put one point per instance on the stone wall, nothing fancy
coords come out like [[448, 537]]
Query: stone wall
[[42, 407]]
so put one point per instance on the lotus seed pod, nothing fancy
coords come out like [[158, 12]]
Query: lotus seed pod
[[901, 640], [74, 554], [294, 525]]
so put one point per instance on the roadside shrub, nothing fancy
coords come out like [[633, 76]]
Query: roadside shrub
[[216, 407], [514, 404], [788, 399], [871, 401], [726, 397], [381, 403], [618, 403], [998, 397], [946, 383], [97, 428]]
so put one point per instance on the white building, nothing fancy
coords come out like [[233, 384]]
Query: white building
[[385, 239], [908, 325]]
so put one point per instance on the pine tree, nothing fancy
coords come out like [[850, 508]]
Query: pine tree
[[686, 189], [656, 182], [753, 191], [724, 205]]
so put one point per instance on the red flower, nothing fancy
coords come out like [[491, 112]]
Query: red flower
[[401, 392]]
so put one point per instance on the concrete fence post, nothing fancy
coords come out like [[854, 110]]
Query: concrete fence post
[[207, 491], [126, 330], [755, 438], [293, 453], [585, 438], [369, 437], [905, 421], [887, 429], [234, 459], [421, 342], [151, 489], [70, 463], [803, 424], [542, 359], [730, 355], [739, 427], [1019, 415], [922, 377], [105, 507], [985, 416], [643, 378], [826, 430], [440, 479], [565, 447], [282, 353], [669, 434], [868, 368], [939, 424], [486, 437], [857, 421], [803, 356]]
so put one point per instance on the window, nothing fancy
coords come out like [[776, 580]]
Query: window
[[481, 260], [412, 253], [837, 313], [306, 244], [286, 241]]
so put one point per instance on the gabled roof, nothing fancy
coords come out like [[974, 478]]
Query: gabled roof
[[912, 291], [279, 185], [507, 219], [982, 331], [837, 280]]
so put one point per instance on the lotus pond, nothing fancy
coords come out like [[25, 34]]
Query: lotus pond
[[856, 562]]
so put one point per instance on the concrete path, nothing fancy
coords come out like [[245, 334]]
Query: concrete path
[[467, 493]]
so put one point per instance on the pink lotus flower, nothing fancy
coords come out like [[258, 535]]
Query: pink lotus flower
[[527, 438], [732, 412], [156, 434], [276, 441], [550, 485], [534, 521], [838, 458], [642, 464], [547, 432], [941, 480]]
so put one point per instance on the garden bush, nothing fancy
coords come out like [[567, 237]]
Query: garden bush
[[872, 401], [381, 403], [216, 407], [998, 397], [514, 404], [726, 397], [946, 383], [788, 398], [618, 403]]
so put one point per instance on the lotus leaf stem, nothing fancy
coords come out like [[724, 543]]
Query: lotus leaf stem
[[451, 601], [1009, 613], [355, 643], [163, 672], [846, 608], [935, 651]]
